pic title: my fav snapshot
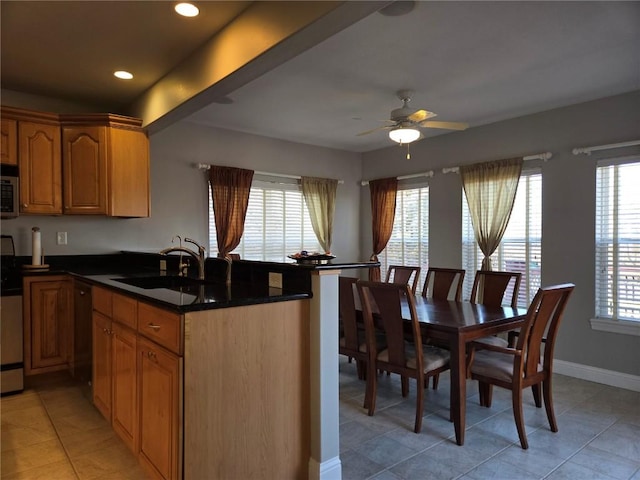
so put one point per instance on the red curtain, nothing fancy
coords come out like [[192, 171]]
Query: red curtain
[[230, 188], [383, 212]]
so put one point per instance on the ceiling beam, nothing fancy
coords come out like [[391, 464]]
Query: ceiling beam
[[262, 37]]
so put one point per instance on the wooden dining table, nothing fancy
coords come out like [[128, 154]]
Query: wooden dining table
[[456, 324]]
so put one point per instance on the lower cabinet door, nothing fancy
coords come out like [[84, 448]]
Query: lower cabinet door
[[101, 368], [124, 405], [160, 390]]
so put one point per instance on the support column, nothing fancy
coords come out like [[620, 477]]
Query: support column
[[324, 463]]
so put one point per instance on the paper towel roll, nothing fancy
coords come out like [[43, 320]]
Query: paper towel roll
[[36, 247]]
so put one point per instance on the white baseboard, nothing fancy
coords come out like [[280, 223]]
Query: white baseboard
[[328, 470], [598, 375]]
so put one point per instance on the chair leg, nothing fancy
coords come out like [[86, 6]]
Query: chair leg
[[486, 392], [536, 395], [419, 404], [436, 379], [516, 398], [404, 381], [371, 392], [548, 404], [361, 368]]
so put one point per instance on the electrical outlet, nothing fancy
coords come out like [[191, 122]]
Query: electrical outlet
[[61, 238], [275, 280]]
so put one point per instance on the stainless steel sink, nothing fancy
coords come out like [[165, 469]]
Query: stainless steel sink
[[170, 282]]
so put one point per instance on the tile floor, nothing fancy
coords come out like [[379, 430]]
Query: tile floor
[[53, 432], [598, 438]]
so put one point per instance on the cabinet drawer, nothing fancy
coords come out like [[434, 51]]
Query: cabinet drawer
[[164, 328], [125, 310], [102, 301]]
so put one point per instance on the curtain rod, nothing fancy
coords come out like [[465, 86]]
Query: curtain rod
[[405, 177], [588, 150], [538, 156], [204, 166]]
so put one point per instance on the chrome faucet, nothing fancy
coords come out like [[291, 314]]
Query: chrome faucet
[[200, 256]]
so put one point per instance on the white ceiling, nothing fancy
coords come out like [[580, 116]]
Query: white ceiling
[[476, 62]]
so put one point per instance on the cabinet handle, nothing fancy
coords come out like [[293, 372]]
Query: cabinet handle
[[82, 292], [154, 327], [151, 355], [24, 205]]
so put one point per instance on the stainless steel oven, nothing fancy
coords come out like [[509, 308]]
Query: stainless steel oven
[[12, 368], [9, 205]]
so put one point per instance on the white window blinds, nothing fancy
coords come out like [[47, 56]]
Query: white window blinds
[[618, 239], [409, 242], [520, 248], [277, 224]]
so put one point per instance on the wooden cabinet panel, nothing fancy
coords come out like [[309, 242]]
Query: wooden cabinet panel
[[9, 141], [160, 390], [48, 324], [85, 170], [102, 300], [125, 310], [101, 369], [40, 165], [164, 328], [124, 406]]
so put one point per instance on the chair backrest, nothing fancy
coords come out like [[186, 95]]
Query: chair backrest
[[489, 287], [347, 312], [542, 321], [386, 299], [443, 284], [404, 275]]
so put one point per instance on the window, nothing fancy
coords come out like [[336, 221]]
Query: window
[[520, 249], [409, 242], [618, 239], [277, 224]]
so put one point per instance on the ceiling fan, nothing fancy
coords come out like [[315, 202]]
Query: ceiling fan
[[404, 122]]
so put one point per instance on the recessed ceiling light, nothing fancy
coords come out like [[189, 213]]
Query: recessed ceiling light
[[187, 9], [123, 75]]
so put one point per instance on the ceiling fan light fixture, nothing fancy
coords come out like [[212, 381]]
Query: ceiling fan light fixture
[[404, 135]]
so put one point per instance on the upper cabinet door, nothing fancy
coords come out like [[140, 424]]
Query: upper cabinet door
[[40, 168], [85, 169], [9, 142]]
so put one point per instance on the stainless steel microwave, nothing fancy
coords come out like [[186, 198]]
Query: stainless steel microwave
[[9, 199]]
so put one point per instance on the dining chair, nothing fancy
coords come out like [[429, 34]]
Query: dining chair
[[489, 287], [443, 284], [402, 274], [408, 359], [529, 363], [352, 337]]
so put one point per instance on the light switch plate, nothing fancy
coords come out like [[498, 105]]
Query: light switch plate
[[61, 238]]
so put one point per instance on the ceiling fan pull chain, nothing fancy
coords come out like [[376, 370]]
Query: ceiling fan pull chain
[[408, 152]]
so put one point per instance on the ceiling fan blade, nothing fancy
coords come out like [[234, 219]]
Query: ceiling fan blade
[[386, 127], [445, 125], [420, 115]]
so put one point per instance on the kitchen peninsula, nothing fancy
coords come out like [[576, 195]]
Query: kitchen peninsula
[[242, 379]]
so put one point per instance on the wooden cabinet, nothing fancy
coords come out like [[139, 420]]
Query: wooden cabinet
[[48, 324], [159, 387], [105, 165], [115, 366], [101, 368], [95, 164], [40, 171], [9, 141], [124, 394]]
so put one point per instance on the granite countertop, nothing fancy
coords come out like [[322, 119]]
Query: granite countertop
[[205, 296], [250, 283]]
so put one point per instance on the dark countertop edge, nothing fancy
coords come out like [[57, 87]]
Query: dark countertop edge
[[245, 301]]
